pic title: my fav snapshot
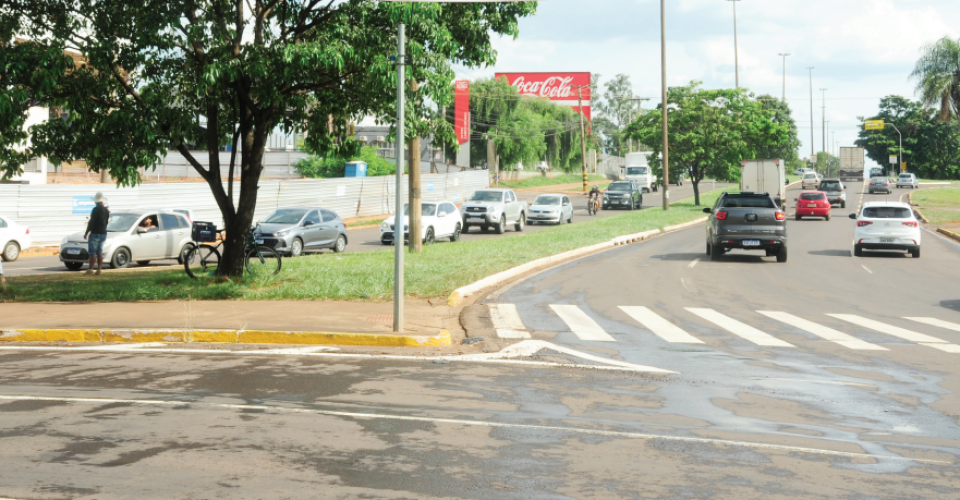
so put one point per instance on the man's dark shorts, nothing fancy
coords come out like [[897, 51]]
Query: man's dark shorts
[[95, 243]]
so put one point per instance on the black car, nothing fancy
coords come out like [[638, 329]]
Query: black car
[[623, 194], [746, 221]]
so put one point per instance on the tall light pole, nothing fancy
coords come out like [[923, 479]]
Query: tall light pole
[[823, 118], [398, 213], [784, 56], [812, 152], [663, 106], [736, 53]]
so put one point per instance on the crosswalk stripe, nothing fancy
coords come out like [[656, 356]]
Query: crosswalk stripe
[[898, 332], [661, 327], [584, 327], [735, 327], [936, 322], [823, 332], [506, 320]]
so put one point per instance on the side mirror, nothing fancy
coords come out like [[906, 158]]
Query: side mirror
[[707, 210], [141, 230], [442, 214], [307, 223], [853, 216], [796, 199]]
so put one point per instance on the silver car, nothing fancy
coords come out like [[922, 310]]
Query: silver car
[[908, 180], [133, 236], [553, 208], [878, 184], [292, 231]]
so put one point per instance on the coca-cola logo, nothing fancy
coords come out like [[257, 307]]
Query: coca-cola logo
[[552, 88], [463, 85]]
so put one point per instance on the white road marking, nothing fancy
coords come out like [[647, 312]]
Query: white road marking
[[935, 322], [865, 268], [694, 263], [823, 332], [507, 321], [477, 423], [583, 326], [739, 329], [898, 332], [659, 326]]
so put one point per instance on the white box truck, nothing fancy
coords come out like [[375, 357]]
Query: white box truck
[[638, 170], [759, 176], [851, 164]]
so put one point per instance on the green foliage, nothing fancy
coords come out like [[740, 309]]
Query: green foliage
[[787, 148], [711, 132], [938, 77], [335, 166], [614, 112], [542, 180], [931, 147]]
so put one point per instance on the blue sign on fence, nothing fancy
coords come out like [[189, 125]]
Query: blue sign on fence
[[429, 186], [456, 198], [83, 205]]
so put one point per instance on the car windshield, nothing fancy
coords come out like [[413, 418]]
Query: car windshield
[[811, 196], [120, 222], [636, 170], [829, 186], [285, 216], [747, 202], [547, 199], [887, 213], [487, 196], [619, 186], [428, 209]]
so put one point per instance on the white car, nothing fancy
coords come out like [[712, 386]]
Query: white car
[[438, 219], [130, 238], [13, 238], [908, 180], [885, 225], [553, 208], [810, 181]]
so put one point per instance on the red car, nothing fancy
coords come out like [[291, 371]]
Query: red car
[[813, 204]]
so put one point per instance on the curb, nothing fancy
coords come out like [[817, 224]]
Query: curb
[[949, 234], [923, 218], [440, 339], [457, 296]]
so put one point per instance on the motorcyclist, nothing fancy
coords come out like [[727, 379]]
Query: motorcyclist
[[594, 194]]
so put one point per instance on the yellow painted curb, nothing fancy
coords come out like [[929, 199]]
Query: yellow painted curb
[[949, 234], [224, 336], [454, 299]]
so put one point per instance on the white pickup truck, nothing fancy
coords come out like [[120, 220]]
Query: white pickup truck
[[494, 208]]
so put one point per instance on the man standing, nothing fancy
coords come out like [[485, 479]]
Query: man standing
[[97, 230]]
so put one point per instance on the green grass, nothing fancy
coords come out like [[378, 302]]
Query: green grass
[[550, 181], [365, 222], [939, 205], [436, 272]]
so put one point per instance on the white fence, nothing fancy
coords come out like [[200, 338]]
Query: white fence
[[54, 211]]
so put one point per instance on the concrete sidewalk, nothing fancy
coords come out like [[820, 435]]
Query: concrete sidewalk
[[296, 322]]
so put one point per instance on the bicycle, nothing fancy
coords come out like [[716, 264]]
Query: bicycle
[[259, 259]]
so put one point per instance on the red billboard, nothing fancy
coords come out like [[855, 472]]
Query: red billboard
[[461, 118], [560, 88]]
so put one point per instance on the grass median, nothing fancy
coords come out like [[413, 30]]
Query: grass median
[[940, 205], [440, 269], [551, 181]]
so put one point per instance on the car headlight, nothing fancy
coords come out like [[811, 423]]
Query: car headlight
[[281, 234], [385, 225], [64, 240]]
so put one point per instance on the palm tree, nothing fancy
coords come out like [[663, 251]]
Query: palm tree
[[938, 77]]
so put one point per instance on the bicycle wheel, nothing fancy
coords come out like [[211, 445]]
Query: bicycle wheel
[[264, 264], [201, 261]]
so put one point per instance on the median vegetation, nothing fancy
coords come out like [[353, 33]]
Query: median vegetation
[[541, 180], [440, 269], [939, 205]]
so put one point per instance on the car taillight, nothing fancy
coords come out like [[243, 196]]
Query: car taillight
[[721, 215], [28, 231], [910, 224], [781, 216], [886, 183], [863, 223]]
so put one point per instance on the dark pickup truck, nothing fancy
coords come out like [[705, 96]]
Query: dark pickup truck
[[746, 221]]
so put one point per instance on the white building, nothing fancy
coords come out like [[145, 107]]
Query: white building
[[35, 171]]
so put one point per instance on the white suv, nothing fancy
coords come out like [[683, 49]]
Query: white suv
[[438, 219], [810, 181], [886, 226]]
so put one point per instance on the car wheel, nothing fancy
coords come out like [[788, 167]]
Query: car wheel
[[570, 219], [456, 234], [340, 245], [11, 251], [632, 205], [121, 258], [708, 248], [655, 187], [73, 266], [915, 253], [143, 263], [857, 251], [429, 238], [466, 228], [715, 252], [782, 254], [183, 253], [796, 216], [384, 242], [502, 225], [827, 217], [843, 204], [520, 223], [296, 248]]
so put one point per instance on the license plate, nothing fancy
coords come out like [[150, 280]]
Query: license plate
[[260, 241], [751, 243], [73, 251], [811, 205], [888, 240], [475, 217]]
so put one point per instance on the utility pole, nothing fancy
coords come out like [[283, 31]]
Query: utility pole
[[812, 152], [398, 212], [413, 188], [823, 117], [583, 138], [663, 106], [736, 53], [784, 56]]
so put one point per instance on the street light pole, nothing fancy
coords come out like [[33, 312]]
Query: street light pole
[[736, 53], [784, 56], [663, 106], [900, 151], [823, 118], [812, 152], [398, 246]]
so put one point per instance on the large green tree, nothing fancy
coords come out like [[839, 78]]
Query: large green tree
[[938, 77], [787, 148], [613, 111], [155, 70], [710, 132]]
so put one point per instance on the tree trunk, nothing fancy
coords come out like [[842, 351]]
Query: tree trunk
[[251, 167], [696, 191]]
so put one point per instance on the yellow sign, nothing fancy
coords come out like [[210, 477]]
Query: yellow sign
[[903, 166], [873, 125]]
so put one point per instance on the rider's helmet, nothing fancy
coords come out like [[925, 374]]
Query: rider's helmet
[[595, 186]]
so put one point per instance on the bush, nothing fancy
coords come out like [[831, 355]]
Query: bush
[[333, 166]]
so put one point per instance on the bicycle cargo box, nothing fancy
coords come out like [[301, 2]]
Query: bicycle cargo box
[[204, 232]]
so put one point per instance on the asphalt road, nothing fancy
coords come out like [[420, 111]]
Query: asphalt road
[[366, 240]]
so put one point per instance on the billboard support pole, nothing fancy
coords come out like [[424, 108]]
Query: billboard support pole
[[583, 139], [398, 212]]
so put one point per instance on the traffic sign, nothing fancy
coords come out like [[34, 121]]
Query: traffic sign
[[873, 125], [903, 166], [893, 159]]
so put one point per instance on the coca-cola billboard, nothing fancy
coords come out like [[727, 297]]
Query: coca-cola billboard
[[560, 88]]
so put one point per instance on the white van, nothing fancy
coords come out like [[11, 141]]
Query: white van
[[637, 170]]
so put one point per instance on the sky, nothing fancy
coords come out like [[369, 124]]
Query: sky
[[861, 50]]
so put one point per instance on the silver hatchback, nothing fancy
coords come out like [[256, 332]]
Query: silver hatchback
[[292, 231], [133, 236], [879, 184]]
